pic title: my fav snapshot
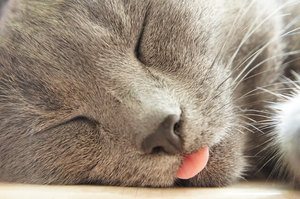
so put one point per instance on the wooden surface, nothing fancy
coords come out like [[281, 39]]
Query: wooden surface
[[239, 191]]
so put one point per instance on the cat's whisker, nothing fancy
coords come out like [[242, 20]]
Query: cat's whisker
[[253, 92], [260, 51], [271, 58], [238, 19], [259, 64], [254, 28], [258, 115]]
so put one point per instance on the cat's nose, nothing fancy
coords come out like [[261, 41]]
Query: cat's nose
[[166, 138]]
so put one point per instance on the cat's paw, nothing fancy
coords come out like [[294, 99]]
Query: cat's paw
[[288, 134]]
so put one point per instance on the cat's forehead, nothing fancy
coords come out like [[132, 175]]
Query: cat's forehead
[[127, 18], [78, 36], [120, 20]]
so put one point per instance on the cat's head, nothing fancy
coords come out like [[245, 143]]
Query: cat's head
[[112, 92]]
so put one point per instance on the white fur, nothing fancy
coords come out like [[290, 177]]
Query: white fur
[[289, 132]]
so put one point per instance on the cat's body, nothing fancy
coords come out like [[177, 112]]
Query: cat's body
[[84, 83]]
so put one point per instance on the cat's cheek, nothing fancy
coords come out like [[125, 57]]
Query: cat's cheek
[[288, 133]]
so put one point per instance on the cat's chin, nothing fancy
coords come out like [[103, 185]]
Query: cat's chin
[[288, 134], [148, 171]]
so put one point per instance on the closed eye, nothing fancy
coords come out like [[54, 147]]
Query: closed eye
[[137, 49], [83, 119]]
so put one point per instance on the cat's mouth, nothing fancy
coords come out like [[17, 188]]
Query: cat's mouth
[[193, 164]]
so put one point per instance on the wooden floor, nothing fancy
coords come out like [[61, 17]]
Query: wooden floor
[[239, 191]]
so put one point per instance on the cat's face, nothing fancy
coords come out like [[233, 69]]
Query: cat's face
[[84, 83]]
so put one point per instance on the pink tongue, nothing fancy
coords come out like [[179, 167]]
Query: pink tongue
[[193, 164]]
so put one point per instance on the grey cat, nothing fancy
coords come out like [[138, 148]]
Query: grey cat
[[149, 93]]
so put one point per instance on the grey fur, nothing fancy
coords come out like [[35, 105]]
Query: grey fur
[[83, 83]]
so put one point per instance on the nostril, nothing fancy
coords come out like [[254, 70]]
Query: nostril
[[157, 150], [177, 128], [166, 138]]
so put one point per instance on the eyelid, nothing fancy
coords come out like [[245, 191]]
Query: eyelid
[[81, 118], [137, 51]]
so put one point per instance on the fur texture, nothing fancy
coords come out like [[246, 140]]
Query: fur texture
[[83, 83]]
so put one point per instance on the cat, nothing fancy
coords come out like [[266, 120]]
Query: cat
[[149, 93]]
